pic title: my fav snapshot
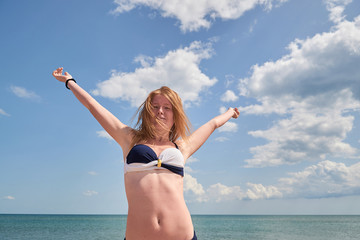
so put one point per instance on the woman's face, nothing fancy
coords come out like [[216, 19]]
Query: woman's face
[[163, 110]]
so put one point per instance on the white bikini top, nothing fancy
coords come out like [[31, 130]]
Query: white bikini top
[[142, 158]]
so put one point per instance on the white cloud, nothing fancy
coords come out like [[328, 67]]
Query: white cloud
[[191, 160], [104, 134], [229, 80], [229, 127], [9, 198], [193, 187], [336, 9], [317, 87], [223, 109], [322, 64], [2, 112], [258, 191], [326, 179], [252, 26], [229, 96], [188, 162], [323, 180], [219, 193], [303, 137], [178, 69], [222, 139], [90, 193], [144, 61], [24, 93], [92, 173], [194, 15]]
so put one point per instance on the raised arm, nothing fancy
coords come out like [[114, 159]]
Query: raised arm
[[121, 133], [198, 138]]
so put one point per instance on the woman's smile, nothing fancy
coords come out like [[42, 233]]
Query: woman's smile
[[162, 110]]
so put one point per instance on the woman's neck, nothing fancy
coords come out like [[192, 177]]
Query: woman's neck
[[160, 140]]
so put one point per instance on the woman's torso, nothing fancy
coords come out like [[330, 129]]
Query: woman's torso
[[157, 208]]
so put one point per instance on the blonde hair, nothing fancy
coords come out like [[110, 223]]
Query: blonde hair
[[145, 129]]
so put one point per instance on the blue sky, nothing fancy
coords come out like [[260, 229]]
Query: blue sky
[[291, 67]]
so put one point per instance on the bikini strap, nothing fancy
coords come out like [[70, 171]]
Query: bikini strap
[[176, 145]]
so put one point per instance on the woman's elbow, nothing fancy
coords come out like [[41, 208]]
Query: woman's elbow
[[215, 123]]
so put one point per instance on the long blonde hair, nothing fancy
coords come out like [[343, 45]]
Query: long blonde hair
[[145, 129]]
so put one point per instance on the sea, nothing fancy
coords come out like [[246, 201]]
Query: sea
[[209, 227]]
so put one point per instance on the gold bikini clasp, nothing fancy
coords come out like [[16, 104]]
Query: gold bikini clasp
[[159, 163]]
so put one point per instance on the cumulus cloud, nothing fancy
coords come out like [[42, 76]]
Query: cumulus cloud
[[222, 139], [325, 179], [303, 137], [223, 110], [190, 160], [92, 173], [9, 198], [336, 9], [2, 112], [229, 96], [229, 127], [192, 187], [178, 69], [90, 193], [324, 63], [322, 180], [317, 88], [219, 192], [194, 15], [104, 134], [24, 93], [259, 191]]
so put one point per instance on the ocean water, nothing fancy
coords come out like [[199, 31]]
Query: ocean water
[[209, 227]]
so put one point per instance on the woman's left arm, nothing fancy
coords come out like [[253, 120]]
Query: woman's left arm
[[198, 138]]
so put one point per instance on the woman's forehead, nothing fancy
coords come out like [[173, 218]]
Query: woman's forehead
[[160, 99]]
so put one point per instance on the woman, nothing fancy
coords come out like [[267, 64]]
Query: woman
[[154, 157]]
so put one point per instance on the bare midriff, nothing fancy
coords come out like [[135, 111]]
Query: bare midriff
[[157, 208]]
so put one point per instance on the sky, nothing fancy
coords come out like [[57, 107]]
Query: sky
[[291, 67]]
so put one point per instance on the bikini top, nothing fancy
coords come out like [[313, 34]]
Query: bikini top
[[142, 158]]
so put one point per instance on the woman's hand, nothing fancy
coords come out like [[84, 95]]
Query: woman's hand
[[59, 76], [236, 113]]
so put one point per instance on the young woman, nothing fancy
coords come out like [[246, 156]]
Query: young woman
[[154, 157]]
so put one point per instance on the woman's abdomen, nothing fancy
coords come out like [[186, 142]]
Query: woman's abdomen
[[156, 206]]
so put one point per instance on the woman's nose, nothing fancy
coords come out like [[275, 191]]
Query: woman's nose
[[160, 110]]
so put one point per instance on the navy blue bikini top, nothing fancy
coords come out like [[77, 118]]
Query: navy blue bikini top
[[142, 158]]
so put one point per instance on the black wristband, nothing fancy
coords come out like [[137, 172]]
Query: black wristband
[[66, 83]]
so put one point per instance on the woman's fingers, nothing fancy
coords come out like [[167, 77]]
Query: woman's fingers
[[55, 72], [58, 72], [236, 113]]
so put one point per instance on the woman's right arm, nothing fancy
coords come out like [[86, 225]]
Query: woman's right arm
[[120, 132]]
